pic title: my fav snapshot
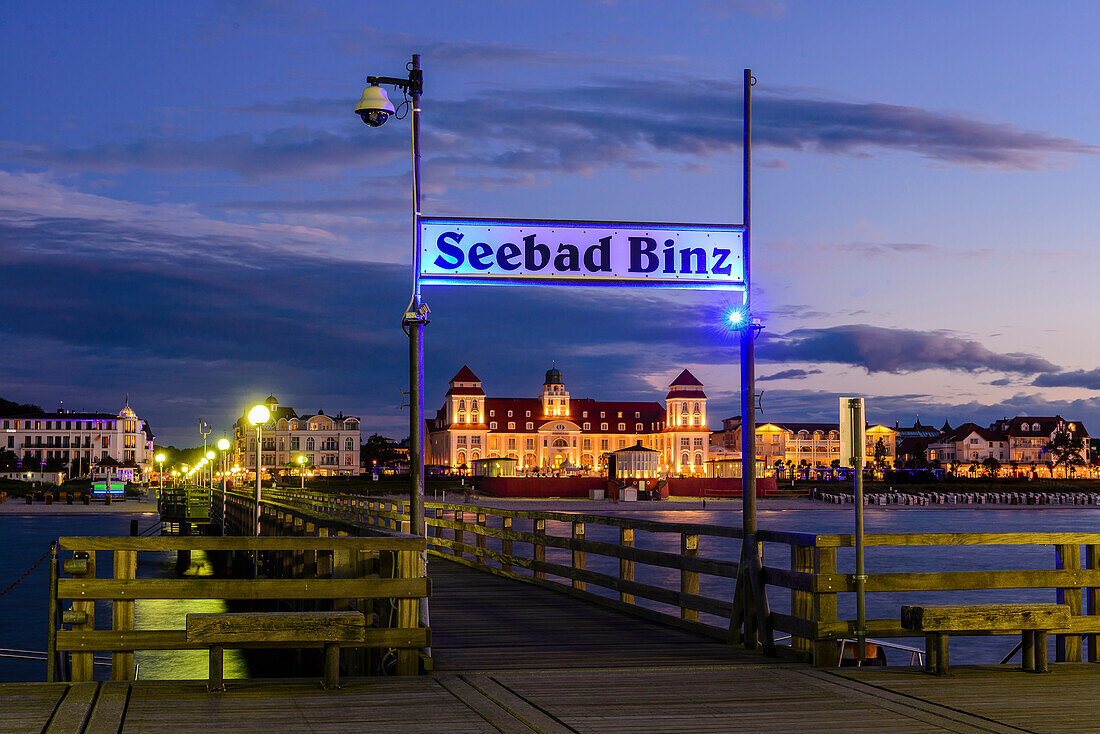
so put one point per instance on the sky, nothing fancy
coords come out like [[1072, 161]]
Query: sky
[[192, 215]]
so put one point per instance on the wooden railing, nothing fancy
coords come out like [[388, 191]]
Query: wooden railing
[[333, 573], [691, 579], [815, 584]]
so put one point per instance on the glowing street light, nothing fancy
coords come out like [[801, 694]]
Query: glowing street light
[[159, 458], [302, 470], [258, 416]]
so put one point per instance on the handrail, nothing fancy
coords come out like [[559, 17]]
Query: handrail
[[371, 574]]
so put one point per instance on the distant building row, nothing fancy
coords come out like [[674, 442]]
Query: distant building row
[[80, 444], [1018, 441], [329, 444]]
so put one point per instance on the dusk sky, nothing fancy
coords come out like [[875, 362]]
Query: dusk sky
[[191, 214]]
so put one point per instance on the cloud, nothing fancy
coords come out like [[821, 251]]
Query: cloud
[[793, 374], [512, 131], [881, 249], [880, 349], [1087, 379], [754, 8]]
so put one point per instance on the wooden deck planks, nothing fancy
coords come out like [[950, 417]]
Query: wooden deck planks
[[27, 707], [484, 622], [1065, 700]]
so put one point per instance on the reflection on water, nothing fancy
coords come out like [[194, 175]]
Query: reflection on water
[[165, 614]]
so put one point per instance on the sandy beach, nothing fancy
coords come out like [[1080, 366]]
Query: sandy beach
[[18, 506]]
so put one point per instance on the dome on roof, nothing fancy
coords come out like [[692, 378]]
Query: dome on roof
[[553, 377], [271, 400], [127, 411]]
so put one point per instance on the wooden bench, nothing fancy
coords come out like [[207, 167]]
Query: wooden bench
[[939, 621], [276, 629]]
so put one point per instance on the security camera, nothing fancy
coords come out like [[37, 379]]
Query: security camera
[[374, 106]]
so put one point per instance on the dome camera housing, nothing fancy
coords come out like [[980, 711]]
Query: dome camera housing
[[374, 106]]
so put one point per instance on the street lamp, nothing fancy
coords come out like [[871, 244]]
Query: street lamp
[[375, 108], [302, 470], [159, 458], [258, 416], [210, 459]]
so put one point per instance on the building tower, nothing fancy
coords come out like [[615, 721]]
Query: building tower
[[555, 398], [465, 398], [686, 404]]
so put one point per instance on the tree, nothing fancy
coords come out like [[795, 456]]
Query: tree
[[991, 467], [880, 455], [1014, 466], [975, 467], [1065, 448], [778, 467], [56, 464], [9, 461], [378, 448], [954, 466]]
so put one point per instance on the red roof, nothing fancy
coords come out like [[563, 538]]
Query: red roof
[[685, 378], [465, 375], [685, 394], [466, 391]]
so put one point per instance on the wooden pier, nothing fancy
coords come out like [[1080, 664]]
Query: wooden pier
[[539, 623]]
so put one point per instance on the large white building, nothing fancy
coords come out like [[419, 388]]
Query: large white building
[[554, 429], [330, 444], [82, 444]]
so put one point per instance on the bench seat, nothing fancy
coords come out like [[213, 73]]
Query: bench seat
[[327, 629], [937, 621]]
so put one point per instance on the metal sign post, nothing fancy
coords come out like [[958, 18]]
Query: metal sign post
[[853, 448]]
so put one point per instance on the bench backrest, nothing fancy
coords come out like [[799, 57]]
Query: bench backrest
[[989, 617], [275, 627]]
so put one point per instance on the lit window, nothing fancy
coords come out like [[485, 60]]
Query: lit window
[[492, 425], [511, 426], [603, 426], [638, 427], [530, 426], [622, 426], [588, 426]]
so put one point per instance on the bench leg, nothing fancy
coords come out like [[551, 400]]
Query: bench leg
[[332, 666], [941, 654], [929, 653], [1028, 651], [1041, 651], [217, 681]]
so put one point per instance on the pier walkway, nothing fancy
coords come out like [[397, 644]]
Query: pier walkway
[[512, 657]]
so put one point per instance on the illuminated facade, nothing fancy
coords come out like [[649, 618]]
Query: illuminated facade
[[553, 429], [1020, 440], [802, 444], [330, 444], [77, 443]]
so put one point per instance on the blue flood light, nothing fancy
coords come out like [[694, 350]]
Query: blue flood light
[[736, 318]]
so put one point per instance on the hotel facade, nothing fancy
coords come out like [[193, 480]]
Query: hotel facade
[[330, 444], [82, 444], [802, 444], [556, 432]]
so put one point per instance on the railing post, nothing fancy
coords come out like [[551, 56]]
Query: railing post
[[626, 566], [578, 555], [505, 543], [802, 561], [1092, 598], [122, 614], [823, 609], [82, 661], [408, 612], [479, 539], [1068, 647], [689, 580], [538, 550], [460, 517]]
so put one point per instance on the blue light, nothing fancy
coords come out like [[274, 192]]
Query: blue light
[[735, 318]]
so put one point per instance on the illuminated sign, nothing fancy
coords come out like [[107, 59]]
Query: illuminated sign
[[516, 252]]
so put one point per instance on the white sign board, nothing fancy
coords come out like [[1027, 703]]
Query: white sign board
[[852, 432], [514, 252]]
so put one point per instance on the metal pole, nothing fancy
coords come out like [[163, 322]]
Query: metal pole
[[748, 372], [861, 577], [415, 320], [259, 452]]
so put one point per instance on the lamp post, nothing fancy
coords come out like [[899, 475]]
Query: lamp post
[[302, 470], [223, 446], [210, 474], [258, 416], [375, 107], [159, 458]]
